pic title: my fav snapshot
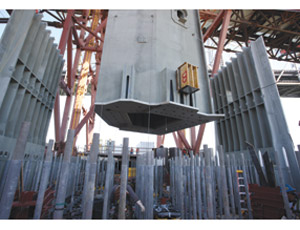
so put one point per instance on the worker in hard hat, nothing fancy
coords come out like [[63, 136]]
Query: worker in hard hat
[[131, 200], [294, 200]]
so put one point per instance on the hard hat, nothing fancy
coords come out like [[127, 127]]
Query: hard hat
[[289, 188]]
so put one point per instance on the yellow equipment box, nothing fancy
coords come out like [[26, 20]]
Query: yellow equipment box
[[131, 172], [187, 78]]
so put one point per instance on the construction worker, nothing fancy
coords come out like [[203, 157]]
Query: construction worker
[[294, 200], [131, 200]]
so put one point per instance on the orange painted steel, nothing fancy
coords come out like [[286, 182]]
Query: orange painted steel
[[225, 24], [78, 20]]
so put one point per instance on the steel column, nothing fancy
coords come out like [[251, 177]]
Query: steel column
[[61, 47]]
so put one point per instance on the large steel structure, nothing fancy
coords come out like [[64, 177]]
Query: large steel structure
[[139, 82], [238, 26], [245, 91], [30, 69], [198, 184]]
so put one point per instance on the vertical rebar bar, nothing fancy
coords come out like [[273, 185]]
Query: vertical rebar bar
[[219, 182], [156, 180], [150, 175], [143, 182], [4, 174], [58, 172], [246, 187], [180, 182], [235, 187], [53, 168], [26, 171], [198, 187], [85, 181], [176, 176], [208, 180], [288, 211], [44, 181], [124, 175], [185, 193], [37, 181], [214, 189], [108, 185], [203, 185], [224, 182], [90, 191], [74, 185], [189, 187], [64, 175], [138, 183], [230, 185], [194, 200]]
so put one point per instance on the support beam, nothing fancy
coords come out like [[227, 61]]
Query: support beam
[[183, 139], [88, 30], [215, 24], [160, 140], [83, 81], [199, 138], [84, 121], [253, 24], [193, 136], [99, 29], [226, 20], [62, 46], [94, 82], [176, 140], [65, 87], [72, 71]]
